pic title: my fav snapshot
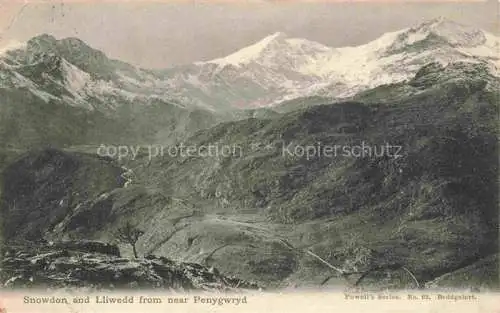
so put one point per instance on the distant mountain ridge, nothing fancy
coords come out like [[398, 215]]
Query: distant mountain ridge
[[276, 69], [279, 68], [63, 92], [70, 70]]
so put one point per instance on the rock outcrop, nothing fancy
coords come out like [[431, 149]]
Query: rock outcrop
[[97, 265]]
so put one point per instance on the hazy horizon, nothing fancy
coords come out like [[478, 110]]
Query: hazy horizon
[[161, 35]]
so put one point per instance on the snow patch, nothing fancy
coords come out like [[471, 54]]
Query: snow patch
[[75, 79], [490, 49]]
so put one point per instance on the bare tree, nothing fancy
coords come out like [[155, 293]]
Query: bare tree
[[129, 234]]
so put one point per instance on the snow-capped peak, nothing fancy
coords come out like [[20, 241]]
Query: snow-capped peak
[[270, 49], [275, 36], [250, 53]]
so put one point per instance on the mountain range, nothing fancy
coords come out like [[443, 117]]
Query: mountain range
[[275, 69]]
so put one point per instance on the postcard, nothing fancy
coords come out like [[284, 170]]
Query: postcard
[[249, 156]]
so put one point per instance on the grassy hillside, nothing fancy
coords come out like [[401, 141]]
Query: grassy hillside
[[263, 213]]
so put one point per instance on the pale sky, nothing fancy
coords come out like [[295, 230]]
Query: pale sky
[[161, 35]]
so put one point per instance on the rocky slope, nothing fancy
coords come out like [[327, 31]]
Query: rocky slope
[[98, 266]]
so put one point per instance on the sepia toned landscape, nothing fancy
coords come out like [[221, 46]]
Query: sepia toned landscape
[[284, 163]]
